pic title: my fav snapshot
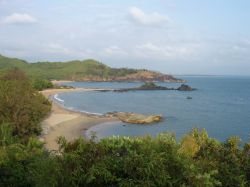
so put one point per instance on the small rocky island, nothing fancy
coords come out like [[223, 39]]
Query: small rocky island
[[153, 86], [185, 87], [134, 118]]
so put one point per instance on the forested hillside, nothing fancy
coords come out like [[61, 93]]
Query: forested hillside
[[86, 70]]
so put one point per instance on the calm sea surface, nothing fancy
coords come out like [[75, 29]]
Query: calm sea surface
[[221, 105]]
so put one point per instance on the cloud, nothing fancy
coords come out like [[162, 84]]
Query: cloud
[[153, 19], [165, 52], [235, 50], [19, 18], [58, 49], [114, 51]]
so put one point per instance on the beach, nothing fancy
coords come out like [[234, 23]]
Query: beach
[[66, 123]]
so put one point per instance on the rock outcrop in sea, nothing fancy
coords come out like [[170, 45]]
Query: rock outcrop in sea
[[185, 87], [153, 86], [134, 118]]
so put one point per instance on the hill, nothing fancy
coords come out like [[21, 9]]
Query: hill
[[6, 63], [86, 70]]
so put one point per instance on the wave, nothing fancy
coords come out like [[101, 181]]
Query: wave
[[82, 111], [75, 109], [91, 113], [58, 99]]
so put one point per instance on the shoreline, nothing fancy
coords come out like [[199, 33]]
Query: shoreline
[[60, 81], [65, 122]]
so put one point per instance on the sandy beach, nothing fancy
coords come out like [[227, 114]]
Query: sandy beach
[[63, 122], [60, 81]]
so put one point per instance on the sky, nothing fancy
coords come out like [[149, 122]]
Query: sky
[[210, 37]]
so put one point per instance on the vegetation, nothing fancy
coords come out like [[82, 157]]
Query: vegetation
[[196, 161], [149, 85], [72, 70], [21, 106], [86, 70], [41, 84]]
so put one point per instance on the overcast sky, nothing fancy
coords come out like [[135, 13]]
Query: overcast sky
[[171, 36]]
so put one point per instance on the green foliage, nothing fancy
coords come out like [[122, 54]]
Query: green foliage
[[27, 165], [41, 84], [6, 62], [148, 85], [124, 161], [72, 70], [21, 106], [6, 137]]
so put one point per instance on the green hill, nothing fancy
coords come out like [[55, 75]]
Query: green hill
[[6, 63], [86, 70]]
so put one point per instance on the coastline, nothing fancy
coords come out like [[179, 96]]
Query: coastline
[[60, 81], [64, 122]]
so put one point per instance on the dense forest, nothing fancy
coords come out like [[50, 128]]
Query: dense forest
[[196, 160], [86, 70]]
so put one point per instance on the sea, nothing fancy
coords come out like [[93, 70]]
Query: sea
[[221, 105]]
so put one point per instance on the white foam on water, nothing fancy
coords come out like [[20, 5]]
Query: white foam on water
[[58, 99], [92, 113]]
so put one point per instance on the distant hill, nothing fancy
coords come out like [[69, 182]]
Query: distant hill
[[6, 63], [86, 70]]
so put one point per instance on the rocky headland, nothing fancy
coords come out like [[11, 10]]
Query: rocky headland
[[136, 76], [84, 71], [153, 86]]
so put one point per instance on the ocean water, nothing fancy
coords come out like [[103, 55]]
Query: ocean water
[[221, 105]]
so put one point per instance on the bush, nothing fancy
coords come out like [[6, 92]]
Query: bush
[[41, 84], [21, 106], [123, 161]]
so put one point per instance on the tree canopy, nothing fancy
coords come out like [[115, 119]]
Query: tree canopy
[[21, 106]]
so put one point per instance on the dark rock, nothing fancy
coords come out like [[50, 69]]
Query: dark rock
[[145, 86], [185, 87], [151, 86]]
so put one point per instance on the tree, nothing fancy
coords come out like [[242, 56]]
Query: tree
[[41, 84], [21, 106]]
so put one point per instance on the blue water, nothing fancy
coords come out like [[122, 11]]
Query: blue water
[[221, 105]]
